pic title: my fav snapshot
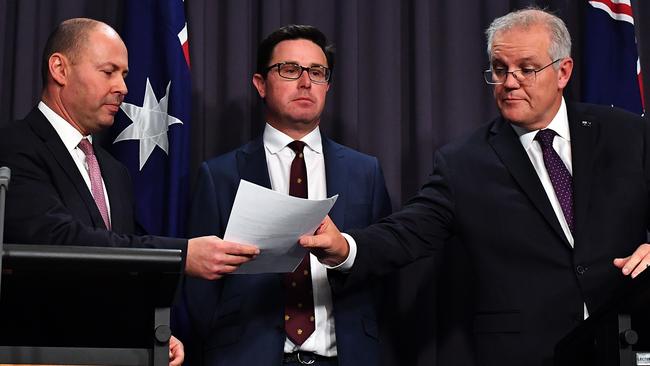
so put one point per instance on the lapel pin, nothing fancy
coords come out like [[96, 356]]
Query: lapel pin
[[585, 124]]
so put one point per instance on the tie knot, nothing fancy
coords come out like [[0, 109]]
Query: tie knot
[[86, 147], [297, 146], [545, 138]]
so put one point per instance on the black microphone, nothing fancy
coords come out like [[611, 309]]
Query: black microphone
[[5, 176]]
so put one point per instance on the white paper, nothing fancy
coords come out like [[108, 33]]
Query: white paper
[[273, 222]]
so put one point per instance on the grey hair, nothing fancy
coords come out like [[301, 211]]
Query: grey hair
[[560, 46]]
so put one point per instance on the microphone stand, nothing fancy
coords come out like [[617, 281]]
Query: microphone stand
[[5, 176]]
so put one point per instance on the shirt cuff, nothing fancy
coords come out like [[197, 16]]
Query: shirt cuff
[[352, 255]]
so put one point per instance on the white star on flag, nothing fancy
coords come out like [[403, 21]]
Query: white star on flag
[[150, 123]]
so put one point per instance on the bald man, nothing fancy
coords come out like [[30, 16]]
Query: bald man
[[65, 190]]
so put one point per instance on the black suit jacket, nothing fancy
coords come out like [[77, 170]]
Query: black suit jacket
[[529, 284], [48, 201]]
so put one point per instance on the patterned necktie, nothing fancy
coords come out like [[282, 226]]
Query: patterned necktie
[[96, 187], [560, 177], [299, 318]]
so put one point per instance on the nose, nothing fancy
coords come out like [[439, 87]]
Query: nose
[[304, 81], [120, 86], [511, 81]]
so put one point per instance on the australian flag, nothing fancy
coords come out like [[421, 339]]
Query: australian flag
[[151, 133], [612, 71]]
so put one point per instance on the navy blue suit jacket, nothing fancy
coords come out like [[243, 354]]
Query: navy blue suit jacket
[[529, 284], [239, 319]]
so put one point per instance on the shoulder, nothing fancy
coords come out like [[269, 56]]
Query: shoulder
[[334, 148], [229, 160], [602, 113]]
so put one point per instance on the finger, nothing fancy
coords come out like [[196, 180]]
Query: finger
[[235, 260], [225, 269], [311, 241], [640, 268], [620, 262], [631, 263], [239, 249]]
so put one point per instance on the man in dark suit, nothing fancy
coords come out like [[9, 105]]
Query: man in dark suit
[[541, 200], [246, 319], [66, 190]]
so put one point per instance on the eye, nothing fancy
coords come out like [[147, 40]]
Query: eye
[[317, 72], [527, 71], [499, 71], [290, 69]]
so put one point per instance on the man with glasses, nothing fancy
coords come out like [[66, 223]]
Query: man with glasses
[[287, 319], [540, 201]]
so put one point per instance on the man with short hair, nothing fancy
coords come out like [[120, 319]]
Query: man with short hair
[[287, 319], [65, 190], [541, 200]]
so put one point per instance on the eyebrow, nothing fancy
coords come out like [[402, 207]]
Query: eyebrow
[[298, 63]]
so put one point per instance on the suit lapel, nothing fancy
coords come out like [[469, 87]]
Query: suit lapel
[[336, 178], [52, 141], [584, 132], [251, 162], [507, 146]]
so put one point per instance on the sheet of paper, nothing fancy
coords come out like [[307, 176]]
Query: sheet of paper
[[273, 221]]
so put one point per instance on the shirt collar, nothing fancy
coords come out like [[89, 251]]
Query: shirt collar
[[68, 134], [559, 124], [275, 140]]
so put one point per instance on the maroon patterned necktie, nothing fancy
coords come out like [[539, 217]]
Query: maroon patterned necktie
[[299, 321], [96, 187], [560, 177]]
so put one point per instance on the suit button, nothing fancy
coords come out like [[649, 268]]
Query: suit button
[[581, 270]]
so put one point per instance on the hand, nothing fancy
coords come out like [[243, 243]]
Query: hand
[[327, 244], [210, 258], [176, 352], [636, 263]]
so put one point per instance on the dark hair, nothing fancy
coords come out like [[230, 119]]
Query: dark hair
[[67, 38], [289, 32]]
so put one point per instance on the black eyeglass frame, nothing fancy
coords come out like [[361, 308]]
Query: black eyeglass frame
[[487, 74], [278, 66]]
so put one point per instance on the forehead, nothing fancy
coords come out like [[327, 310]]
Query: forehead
[[104, 46], [531, 42], [303, 51]]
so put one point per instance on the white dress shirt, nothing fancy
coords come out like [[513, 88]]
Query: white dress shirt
[[71, 137], [278, 160]]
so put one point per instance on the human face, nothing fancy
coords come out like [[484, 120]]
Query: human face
[[93, 85], [293, 106], [529, 106]]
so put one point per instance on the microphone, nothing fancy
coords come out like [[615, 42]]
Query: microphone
[[5, 176]]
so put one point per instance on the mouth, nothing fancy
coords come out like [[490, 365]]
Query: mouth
[[303, 99], [113, 108]]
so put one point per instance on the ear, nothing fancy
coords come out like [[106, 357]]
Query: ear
[[564, 72], [260, 84], [58, 65]]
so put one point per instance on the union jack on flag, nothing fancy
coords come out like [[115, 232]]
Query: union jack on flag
[[611, 65]]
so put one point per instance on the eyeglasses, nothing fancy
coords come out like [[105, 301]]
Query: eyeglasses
[[292, 71], [527, 76]]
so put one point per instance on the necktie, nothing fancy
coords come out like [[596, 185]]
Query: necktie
[[96, 187], [299, 299], [560, 177]]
